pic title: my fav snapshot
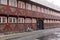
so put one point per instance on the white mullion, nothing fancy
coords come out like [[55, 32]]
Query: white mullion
[[12, 19], [15, 20], [1, 20], [9, 19], [5, 19], [20, 20]]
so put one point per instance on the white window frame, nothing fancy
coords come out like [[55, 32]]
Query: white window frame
[[34, 21], [28, 6], [21, 4], [2, 20], [42, 10], [21, 20], [38, 9], [12, 19], [45, 21], [34, 8], [14, 3], [28, 20], [3, 2]]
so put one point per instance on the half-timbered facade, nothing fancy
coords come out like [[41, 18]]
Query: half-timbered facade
[[17, 15]]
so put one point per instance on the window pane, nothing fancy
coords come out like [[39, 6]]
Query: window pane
[[0, 19], [28, 6], [21, 4], [27, 20], [45, 10], [34, 8], [38, 9], [34, 20], [4, 20], [42, 10], [3, 2], [14, 20], [10, 20], [20, 20], [13, 3]]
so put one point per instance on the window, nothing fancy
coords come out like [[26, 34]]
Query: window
[[48, 21], [38, 9], [21, 4], [45, 21], [51, 11], [20, 20], [34, 21], [3, 2], [34, 8], [45, 10], [28, 6], [27, 20], [13, 3], [3, 19], [12, 20], [48, 11], [42, 10]]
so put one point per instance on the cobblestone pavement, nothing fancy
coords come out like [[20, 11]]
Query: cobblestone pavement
[[55, 36]]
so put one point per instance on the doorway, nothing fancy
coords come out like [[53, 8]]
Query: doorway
[[40, 25]]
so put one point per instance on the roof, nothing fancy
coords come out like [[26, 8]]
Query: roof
[[47, 4]]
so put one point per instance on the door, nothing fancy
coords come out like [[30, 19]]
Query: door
[[40, 24]]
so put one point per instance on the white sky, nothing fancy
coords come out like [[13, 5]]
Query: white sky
[[56, 2]]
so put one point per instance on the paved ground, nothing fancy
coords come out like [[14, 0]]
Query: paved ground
[[55, 36], [48, 34]]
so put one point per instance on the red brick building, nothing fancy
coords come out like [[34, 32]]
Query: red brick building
[[17, 15]]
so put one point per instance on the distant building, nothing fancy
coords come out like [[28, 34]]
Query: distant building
[[17, 15]]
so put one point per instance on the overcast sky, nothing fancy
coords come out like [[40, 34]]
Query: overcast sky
[[56, 2]]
